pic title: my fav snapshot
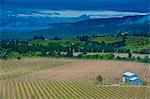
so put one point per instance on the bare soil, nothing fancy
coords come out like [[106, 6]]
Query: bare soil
[[84, 70]]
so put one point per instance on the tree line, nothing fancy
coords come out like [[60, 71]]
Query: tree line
[[22, 48]]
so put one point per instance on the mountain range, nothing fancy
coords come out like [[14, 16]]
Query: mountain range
[[137, 24]]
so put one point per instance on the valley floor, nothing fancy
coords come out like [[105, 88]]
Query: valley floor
[[43, 78], [68, 90], [85, 70]]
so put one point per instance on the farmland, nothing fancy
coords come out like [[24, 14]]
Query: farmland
[[107, 39], [74, 49], [67, 90], [43, 78], [137, 43], [69, 69], [134, 43], [86, 70], [12, 69]]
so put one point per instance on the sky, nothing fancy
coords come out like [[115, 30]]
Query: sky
[[141, 6]]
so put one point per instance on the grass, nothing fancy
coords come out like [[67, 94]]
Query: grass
[[137, 43], [134, 43], [42, 42], [106, 39], [61, 42]]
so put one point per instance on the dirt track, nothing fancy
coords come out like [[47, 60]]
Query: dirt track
[[89, 69]]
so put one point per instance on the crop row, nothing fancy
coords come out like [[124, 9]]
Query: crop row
[[12, 69], [68, 90]]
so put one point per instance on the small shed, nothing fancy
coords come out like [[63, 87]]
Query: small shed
[[131, 78]]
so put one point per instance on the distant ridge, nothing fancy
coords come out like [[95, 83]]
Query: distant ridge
[[131, 24], [139, 24]]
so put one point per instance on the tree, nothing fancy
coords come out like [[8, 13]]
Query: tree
[[57, 38], [145, 83], [35, 37], [19, 58], [99, 79], [138, 58], [5, 57], [146, 59], [130, 54], [70, 50], [41, 38], [118, 58], [84, 38]]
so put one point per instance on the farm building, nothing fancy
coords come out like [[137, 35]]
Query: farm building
[[132, 78]]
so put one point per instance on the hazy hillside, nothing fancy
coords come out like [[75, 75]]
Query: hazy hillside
[[131, 24], [25, 20]]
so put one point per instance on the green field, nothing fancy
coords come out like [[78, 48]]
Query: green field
[[61, 42], [106, 39], [136, 44]]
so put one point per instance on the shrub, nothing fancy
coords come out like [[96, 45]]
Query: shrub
[[19, 58], [99, 79], [146, 59], [118, 58], [109, 56], [145, 83], [129, 54], [5, 57]]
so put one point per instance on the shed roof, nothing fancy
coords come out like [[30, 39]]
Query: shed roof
[[133, 78], [128, 74]]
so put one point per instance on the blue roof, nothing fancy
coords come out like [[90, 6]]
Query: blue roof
[[133, 78], [128, 74]]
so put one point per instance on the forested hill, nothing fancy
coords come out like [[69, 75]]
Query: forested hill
[[131, 24], [105, 26]]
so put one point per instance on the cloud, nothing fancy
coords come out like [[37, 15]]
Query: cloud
[[77, 13]]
